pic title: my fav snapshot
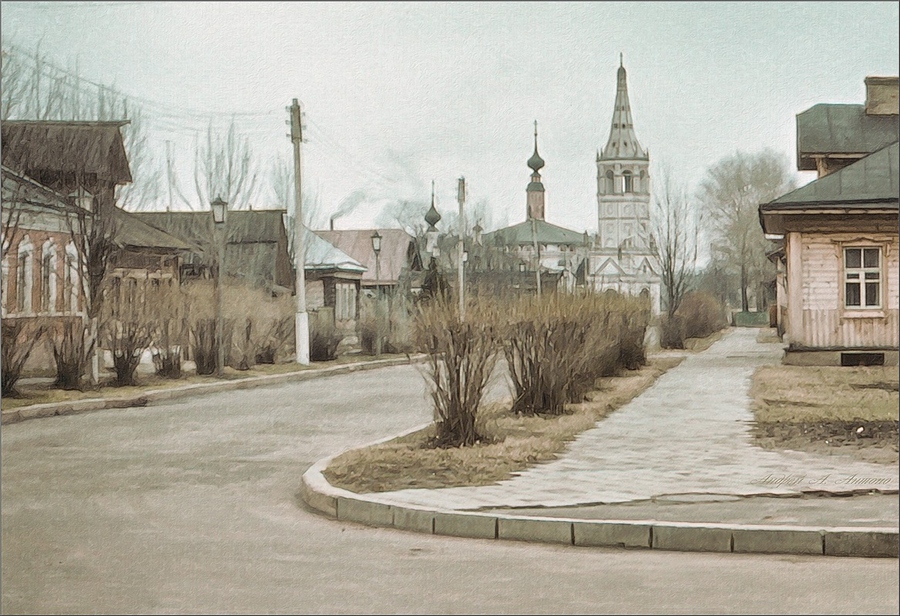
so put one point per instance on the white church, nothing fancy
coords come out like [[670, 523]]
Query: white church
[[621, 257]]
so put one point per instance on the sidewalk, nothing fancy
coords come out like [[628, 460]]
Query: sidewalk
[[681, 456], [151, 396]]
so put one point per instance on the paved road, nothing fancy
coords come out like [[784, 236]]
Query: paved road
[[192, 507]]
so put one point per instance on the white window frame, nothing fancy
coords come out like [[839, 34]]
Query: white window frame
[[24, 276], [48, 277], [862, 276]]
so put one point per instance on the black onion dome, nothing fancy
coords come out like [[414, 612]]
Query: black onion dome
[[536, 162], [432, 217]]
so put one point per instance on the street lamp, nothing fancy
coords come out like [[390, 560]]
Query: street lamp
[[219, 209], [376, 247]]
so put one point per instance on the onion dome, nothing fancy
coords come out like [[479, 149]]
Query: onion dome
[[536, 163], [432, 217]]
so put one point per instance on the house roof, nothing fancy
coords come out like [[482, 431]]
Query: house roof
[[397, 251], [71, 147], [242, 226], [130, 230], [841, 129], [546, 233], [250, 227], [870, 180], [866, 190], [21, 189], [323, 255]]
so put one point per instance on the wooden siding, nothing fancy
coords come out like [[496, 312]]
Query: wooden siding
[[817, 291]]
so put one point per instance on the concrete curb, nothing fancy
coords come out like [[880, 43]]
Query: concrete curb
[[373, 510], [53, 409]]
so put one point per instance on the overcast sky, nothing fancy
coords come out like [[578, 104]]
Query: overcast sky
[[398, 94]]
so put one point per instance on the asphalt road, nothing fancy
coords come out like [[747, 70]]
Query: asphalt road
[[192, 507]]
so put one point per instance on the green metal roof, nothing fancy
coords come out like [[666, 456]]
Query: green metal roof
[[841, 129], [868, 181], [544, 232]]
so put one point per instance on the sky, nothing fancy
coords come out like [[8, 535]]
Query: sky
[[399, 94]]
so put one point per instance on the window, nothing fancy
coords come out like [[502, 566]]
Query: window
[[610, 183], [71, 281], [862, 277], [628, 182], [48, 277], [345, 301], [24, 276]]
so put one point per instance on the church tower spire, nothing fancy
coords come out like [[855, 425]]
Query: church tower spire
[[535, 190], [623, 142]]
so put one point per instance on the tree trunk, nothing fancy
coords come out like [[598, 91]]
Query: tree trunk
[[745, 303]]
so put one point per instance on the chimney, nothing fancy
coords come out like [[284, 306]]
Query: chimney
[[331, 223], [882, 95]]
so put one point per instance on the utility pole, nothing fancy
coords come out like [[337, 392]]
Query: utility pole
[[301, 320], [537, 254], [169, 172], [461, 197]]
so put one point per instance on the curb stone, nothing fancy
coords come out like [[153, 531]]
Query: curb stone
[[374, 510], [52, 409]]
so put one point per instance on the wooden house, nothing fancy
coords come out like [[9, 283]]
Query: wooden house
[[837, 268], [840, 267], [398, 259]]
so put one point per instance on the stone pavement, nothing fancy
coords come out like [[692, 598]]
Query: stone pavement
[[688, 435]]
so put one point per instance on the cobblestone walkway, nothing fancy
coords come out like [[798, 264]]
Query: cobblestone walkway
[[688, 434]]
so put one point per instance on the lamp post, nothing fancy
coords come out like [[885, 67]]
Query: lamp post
[[461, 198], [376, 247], [219, 209]]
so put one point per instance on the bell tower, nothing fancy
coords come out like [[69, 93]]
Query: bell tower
[[622, 258]]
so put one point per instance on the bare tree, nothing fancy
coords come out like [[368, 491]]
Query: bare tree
[[224, 168], [674, 239], [731, 192]]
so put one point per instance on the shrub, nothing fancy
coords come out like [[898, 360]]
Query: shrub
[[701, 314], [324, 336], [19, 339], [461, 359], [672, 332], [127, 341], [557, 346], [72, 346], [203, 345]]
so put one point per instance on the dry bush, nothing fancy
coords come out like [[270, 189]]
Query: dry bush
[[367, 324], [127, 340], [324, 336], [257, 328], [171, 333], [400, 324], [72, 346], [702, 314], [19, 339], [672, 332], [558, 345], [461, 359]]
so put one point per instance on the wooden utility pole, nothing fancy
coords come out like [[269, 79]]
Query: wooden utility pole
[[301, 320], [461, 197]]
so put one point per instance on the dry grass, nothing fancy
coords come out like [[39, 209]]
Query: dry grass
[[512, 443], [46, 393], [825, 393]]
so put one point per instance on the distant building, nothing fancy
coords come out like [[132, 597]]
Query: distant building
[[537, 245], [398, 261], [838, 279], [622, 258]]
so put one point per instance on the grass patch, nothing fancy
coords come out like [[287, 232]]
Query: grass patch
[[825, 393], [45, 393], [826, 410], [511, 443]]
